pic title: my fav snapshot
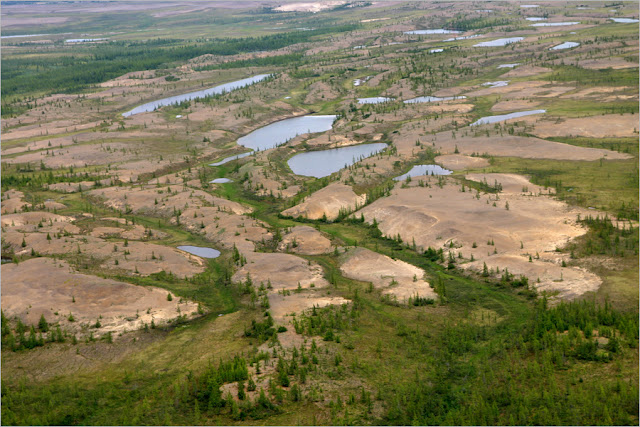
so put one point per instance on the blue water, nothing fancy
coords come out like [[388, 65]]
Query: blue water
[[565, 45], [231, 158], [502, 117], [323, 163], [438, 31], [421, 170], [499, 42], [278, 133], [201, 252], [374, 100], [423, 99], [227, 87]]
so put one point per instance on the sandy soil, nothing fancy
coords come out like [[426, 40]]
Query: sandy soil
[[309, 6], [283, 270], [170, 200], [610, 125], [122, 306], [136, 258], [305, 240], [515, 105], [453, 220], [394, 277], [13, 201], [526, 71], [599, 64], [459, 162], [320, 91], [519, 90], [327, 202], [226, 228], [519, 146]]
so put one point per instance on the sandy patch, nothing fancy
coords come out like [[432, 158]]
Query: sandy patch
[[515, 105], [395, 277], [13, 202], [448, 218], [520, 146], [305, 240], [459, 162], [309, 6], [226, 228], [135, 258], [327, 202], [170, 200], [122, 306], [600, 64], [284, 271], [610, 125], [526, 71]]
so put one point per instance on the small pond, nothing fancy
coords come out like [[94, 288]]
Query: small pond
[[624, 20], [554, 24], [423, 99], [153, 105], [508, 65], [200, 251], [220, 181], [565, 45], [438, 31], [499, 42], [374, 100], [501, 117], [230, 158], [422, 170], [323, 163], [278, 133]]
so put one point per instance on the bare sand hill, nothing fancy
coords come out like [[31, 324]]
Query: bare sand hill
[[305, 240], [327, 202], [122, 306], [515, 223], [394, 277]]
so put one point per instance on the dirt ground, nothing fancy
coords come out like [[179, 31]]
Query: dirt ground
[[610, 125], [284, 271], [305, 240], [519, 146], [394, 277], [170, 199], [327, 202], [533, 225], [122, 306], [459, 162], [515, 105]]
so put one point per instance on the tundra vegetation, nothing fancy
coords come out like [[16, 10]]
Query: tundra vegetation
[[504, 292]]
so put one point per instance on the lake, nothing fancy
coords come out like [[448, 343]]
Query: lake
[[220, 181], [422, 170], [227, 87], [200, 251], [499, 83], [624, 20], [453, 39], [438, 31], [374, 100], [323, 163], [499, 42], [278, 133], [230, 158], [565, 45], [554, 24], [423, 99], [508, 65], [501, 117]]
